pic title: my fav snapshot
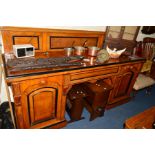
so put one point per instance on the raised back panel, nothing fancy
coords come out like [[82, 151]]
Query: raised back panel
[[50, 39]]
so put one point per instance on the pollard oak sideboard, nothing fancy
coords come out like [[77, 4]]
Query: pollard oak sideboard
[[40, 93]]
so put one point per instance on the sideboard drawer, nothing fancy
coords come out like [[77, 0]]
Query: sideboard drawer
[[131, 67], [93, 72]]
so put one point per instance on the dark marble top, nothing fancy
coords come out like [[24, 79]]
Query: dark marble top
[[27, 66]]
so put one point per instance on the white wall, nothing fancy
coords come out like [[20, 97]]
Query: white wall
[[90, 28], [3, 96]]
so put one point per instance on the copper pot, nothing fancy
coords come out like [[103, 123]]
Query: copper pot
[[69, 51], [79, 50], [93, 50]]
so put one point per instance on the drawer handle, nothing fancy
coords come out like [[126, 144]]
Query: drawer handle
[[43, 82], [134, 69], [46, 53], [127, 67]]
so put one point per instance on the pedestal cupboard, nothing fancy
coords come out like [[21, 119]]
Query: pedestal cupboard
[[123, 83], [38, 102]]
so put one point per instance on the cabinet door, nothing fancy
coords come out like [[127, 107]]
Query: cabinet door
[[42, 105], [123, 84], [39, 105], [41, 102]]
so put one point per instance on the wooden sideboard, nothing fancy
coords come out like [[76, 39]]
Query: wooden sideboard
[[40, 94]]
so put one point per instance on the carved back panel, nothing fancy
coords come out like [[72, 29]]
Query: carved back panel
[[44, 39]]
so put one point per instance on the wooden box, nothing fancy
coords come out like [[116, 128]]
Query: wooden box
[[75, 102], [98, 94]]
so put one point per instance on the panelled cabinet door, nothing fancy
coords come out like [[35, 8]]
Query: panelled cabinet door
[[123, 83], [39, 103], [42, 105], [122, 86]]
